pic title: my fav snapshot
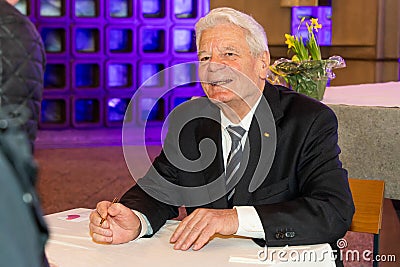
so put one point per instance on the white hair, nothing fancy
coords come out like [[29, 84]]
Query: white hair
[[255, 35]]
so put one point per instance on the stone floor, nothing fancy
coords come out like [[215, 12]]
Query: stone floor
[[82, 176]]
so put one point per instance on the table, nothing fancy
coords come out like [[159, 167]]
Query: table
[[70, 245], [369, 131], [366, 95]]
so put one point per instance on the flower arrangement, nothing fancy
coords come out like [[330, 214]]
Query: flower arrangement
[[306, 72]]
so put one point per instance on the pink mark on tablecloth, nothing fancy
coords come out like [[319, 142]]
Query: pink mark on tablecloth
[[72, 216]]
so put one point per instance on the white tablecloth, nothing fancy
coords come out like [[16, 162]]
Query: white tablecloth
[[71, 245], [375, 94]]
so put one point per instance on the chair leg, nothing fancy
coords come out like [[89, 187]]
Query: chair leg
[[376, 250]]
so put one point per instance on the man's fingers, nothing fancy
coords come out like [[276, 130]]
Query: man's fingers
[[178, 231], [197, 229], [99, 230], [100, 234], [181, 227], [187, 237], [190, 234], [197, 237], [121, 225], [115, 209], [95, 217], [191, 219], [101, 238], [203, 239], [102, 208]]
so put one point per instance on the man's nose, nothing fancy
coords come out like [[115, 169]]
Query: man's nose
[[215, 64]]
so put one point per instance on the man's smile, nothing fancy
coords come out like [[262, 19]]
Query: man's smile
[[220, 82]]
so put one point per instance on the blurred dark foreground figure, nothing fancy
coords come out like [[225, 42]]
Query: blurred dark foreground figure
[[22, 65], [23, 232]]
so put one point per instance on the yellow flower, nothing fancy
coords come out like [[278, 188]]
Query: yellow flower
[[304, 49], [306, 72], [315, 24], [295, 58], [289, 40]]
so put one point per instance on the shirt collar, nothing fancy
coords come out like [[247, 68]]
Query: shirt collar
[[245, 122]]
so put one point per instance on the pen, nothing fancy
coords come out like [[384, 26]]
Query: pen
[[115, 200]]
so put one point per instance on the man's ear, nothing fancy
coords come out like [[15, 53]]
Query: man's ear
[[265, 60]]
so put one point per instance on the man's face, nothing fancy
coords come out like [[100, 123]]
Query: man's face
[[229, 72]]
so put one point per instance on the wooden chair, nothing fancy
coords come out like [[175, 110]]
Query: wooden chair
[[368, 200]]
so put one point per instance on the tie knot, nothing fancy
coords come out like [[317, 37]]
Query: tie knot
[[236, 132]]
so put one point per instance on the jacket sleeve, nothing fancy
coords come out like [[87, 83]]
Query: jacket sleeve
[[162, 190], [148, 195], [323, 210]]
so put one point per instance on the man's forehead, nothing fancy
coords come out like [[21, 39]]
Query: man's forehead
[[225, 35], [222, 47], [221, 44], [223, 30]]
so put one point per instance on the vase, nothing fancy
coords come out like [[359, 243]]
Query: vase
[[311, 86], [307, 77]]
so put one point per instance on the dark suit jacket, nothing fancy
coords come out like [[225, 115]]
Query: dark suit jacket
[[304, 198]]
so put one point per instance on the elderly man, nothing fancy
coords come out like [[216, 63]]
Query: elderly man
[[303, 197]]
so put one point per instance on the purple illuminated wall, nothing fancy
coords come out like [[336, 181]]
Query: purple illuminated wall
[[324, 15], [100, 51]]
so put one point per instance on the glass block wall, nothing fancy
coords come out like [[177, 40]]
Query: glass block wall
[[99, 52], [324, 15]]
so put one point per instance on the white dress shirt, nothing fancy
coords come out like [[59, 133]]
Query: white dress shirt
[[249, 222]]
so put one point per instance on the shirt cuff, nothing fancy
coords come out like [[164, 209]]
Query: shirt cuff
[[249, 222], [144, 222]]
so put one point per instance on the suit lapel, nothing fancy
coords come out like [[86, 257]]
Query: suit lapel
[[211, 129], [260, 145], [262, 130], [272, 96]]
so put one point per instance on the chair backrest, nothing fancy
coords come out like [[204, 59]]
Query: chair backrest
[[368, 200]]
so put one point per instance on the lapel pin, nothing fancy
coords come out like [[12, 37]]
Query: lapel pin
[[266, 134]]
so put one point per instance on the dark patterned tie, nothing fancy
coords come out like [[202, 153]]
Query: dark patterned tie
[[234, 158]]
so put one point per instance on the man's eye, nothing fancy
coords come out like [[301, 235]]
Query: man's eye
[[204, 58], [229, 54]]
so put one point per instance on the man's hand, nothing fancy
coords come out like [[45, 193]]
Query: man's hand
[[121, 225], [197, 228]]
